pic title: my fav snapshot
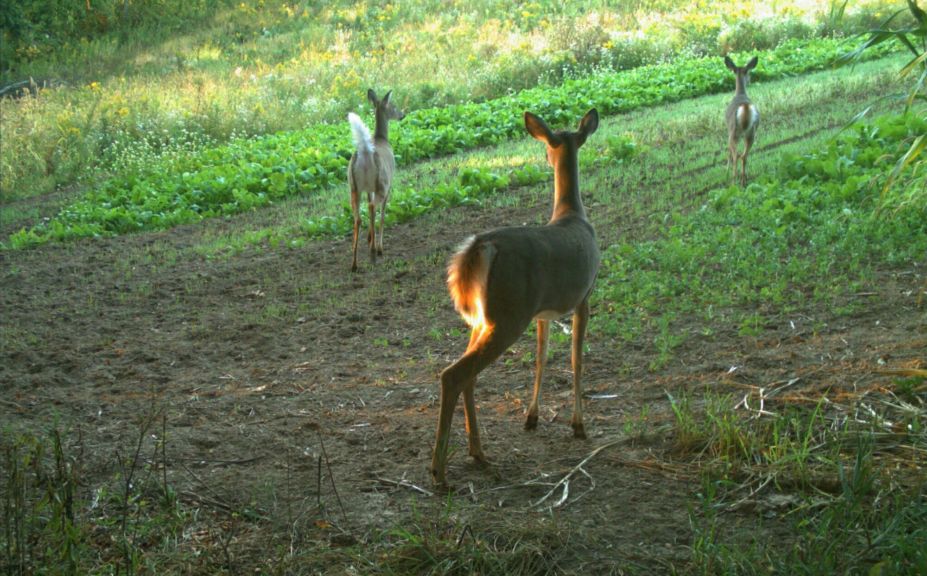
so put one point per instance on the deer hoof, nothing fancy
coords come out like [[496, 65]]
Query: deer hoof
[[579, 431], [531, 422], [480, 459], [438, 479]]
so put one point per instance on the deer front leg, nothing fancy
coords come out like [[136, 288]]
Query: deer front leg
[[531, 422], [580, 320]]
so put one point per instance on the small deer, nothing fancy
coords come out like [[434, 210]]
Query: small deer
[[742, 119], [371, 171], [503, 279]]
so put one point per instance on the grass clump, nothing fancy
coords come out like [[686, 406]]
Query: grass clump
[[448, 548], [52, 524], [855, 519]]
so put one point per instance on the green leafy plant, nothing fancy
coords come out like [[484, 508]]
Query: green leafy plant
[[913, 38], [248, 174]]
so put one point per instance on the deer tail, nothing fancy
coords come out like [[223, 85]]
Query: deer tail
[[362, 140], [745, 116], [467, 275]]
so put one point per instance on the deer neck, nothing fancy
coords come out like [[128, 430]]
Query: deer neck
[[381, 131], [741, 88], [566, 188]]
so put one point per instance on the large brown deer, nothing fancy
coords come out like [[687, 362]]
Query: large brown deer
[[371, 171], [503, 279], [742, 118]]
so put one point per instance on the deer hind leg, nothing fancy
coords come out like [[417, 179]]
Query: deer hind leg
[[460, 377], [732, 156], [371, 230], [355, 209], [382, 226], [748, 143], [473, 431], [531, 422], [580, 320]]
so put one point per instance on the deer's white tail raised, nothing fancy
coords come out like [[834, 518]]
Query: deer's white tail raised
[[370, 172], [363, 141]]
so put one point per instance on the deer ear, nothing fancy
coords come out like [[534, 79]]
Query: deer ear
[[752, 63], [386, 98], [589, 123], [729, 63], [538, 128], [372, 96]]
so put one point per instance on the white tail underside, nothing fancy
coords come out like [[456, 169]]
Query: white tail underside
[[747, 116], [362, 139]]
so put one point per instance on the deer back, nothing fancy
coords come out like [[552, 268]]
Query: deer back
[[542, 271]]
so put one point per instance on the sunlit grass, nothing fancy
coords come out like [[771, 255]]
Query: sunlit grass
[[252, 70]]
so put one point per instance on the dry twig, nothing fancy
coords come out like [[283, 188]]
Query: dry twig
[[404, 484], [565, 481]]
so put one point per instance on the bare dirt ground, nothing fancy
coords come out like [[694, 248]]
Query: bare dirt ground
[[307, 396]]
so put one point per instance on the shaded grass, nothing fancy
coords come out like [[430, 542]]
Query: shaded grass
[[852, 492]]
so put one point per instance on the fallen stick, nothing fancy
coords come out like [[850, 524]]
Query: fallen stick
[[404, 484], [565, 481]]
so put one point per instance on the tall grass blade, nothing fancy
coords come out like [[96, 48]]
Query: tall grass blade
[[910, 156]]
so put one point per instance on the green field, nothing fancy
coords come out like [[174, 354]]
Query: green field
[[193, 382], [130, 83]]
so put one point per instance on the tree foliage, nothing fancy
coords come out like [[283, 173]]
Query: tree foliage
[[32, 28]]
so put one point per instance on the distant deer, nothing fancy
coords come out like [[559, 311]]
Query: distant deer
[[742, 119], [503, 279], [371, 171]]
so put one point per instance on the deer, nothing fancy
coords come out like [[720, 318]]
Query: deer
[[371, 171], [742, 119], [503, 279]]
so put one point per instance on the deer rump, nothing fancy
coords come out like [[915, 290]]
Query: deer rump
[[747, 118], [519, 260]]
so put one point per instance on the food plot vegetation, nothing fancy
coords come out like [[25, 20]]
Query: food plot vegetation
[[251, 173], [216, 398], [193, 381]]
